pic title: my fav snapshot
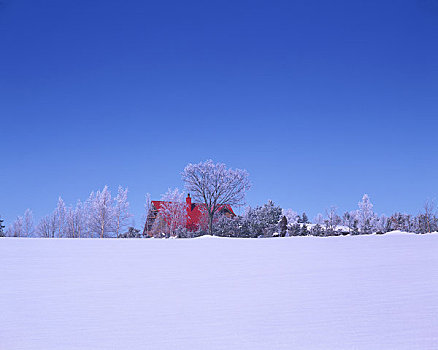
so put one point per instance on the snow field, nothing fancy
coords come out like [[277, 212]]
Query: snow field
[[362, 292]]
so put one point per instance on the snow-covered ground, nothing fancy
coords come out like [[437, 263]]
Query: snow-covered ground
[[363, 292]]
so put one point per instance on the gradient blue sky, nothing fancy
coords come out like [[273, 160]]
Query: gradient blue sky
[[321, 101]]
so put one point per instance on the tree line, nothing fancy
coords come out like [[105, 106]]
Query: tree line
[[214, 185], [271, 220], [101, 215]]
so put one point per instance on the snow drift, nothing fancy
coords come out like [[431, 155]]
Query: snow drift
[[363, 292]]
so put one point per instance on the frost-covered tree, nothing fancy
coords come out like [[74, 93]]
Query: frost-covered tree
[[238, 226], [76, 221], [16, 229], [332, 221], [397, 221], [263, 221], [28, 225], [303, 219], [291, 216], [215, 185], [101, 213], [60, 213], [22, 226], [428, 215], [319, 219], [131, 233], [147, 214], [82, 219], [317, 230], [121, 210], [294, 230], [365, 215], [409, 223], [183, 232], [47, 226], [227, 227], [173, 212], [421, 224], [427, 221], [304, 231], [349, 220], [381, 224]]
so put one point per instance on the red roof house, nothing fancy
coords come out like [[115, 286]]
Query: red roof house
[[196, 214]]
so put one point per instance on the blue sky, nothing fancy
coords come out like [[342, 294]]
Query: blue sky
[[321, 101]]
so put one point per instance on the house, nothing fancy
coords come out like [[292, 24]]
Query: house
[[196, 214]]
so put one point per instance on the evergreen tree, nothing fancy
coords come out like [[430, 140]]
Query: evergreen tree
[[304, 231], [355, 228], [244, 227], [295, 230], [305, 219], [2, 232], [225, 226], [283, 226], [317, 230], [132, 233], [263, 221]]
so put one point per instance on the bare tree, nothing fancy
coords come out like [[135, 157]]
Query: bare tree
[[75, 220], [147, 217], [28, 226], [121, 210], [332, 221], [17, 227], [349, 219], [60, 213], [215, 185], [101, 212], [429, 210], [22, 226], [173, 213], [47, 226], [319, 219]]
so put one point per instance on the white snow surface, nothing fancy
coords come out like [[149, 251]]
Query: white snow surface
[[362, 292]]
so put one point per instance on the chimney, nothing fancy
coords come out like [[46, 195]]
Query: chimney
[[189, 201]]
